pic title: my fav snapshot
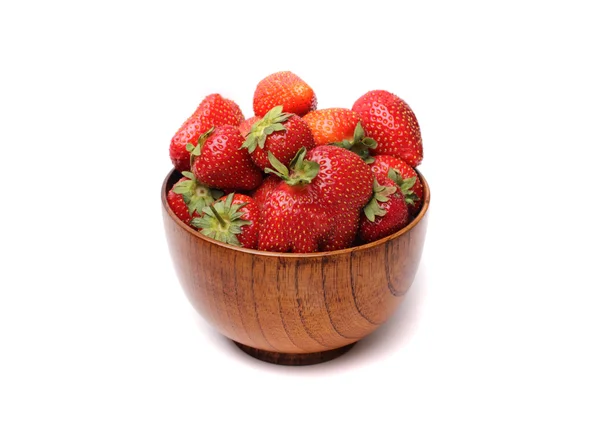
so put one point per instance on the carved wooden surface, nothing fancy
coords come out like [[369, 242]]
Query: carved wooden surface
[[313, 305]]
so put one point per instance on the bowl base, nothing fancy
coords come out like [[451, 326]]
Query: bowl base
[[294, 358]]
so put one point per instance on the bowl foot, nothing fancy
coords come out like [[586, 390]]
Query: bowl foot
[[294, 358]]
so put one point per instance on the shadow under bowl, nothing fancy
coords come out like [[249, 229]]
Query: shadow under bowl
[[294, 309]]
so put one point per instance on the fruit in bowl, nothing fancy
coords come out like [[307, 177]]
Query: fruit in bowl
[[295, 248]]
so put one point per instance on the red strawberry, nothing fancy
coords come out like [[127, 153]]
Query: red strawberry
[[385, 214], [293, 221], [213, 111], [312, 208], [381, 167], [222, 163], [332, 125], [282, 134], [267, 186], [246, 126], [233, 219], [345, 227], [343, 178], [188, 197], [391, 122], [285, 89]]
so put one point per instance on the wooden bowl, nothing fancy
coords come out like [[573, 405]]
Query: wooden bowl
[[294, 309]]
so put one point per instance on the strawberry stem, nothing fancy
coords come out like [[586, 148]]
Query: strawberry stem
[[217, 216]]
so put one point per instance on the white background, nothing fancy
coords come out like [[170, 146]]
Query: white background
[[499, 336]]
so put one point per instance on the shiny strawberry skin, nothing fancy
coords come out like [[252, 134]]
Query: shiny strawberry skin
[[223, 164], [344, 179], [382, 164], [213, 111], [396, 216], [332, 124], [293, 221], [261, 194], [178, 205], [287, 89], [285, 144], [392, 123], [342, 235]]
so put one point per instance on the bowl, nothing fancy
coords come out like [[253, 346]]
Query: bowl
[[294, 309]]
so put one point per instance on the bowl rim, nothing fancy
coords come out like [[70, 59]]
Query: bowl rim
[[190, 230]]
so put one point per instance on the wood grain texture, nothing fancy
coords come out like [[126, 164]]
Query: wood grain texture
[[279, 305]]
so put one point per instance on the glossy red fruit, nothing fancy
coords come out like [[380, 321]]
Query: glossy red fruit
[[187, 197], [286, 89], [343, 179], [344, 231], [391, 122], [213, 111], [279, 133], [222, 163], [385, 214], [332, 125], [233, 219], [312, 208], [267, 186], [381, 166]]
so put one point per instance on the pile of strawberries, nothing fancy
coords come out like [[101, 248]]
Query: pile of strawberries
[[293, 178]]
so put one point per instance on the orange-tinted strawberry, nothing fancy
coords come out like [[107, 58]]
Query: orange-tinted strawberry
[[391, 122], [282, 134], [385, 214], [332, 125], [213, 111], [233, 219], [187, 197], [221, 163], [381, 166], [286, 89]]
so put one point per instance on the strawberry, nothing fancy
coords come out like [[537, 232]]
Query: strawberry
[[332, 124], [213, 111], [344, 178], [233, 219], [315, 205], [282, 134], [381, 165], [285, 89], [188, 197], [391, 122], [385, 213], [343, 234], [246, 126], [267, 186], [220, 162]]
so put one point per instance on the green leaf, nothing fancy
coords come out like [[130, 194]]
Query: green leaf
[[359, 132], [189, 175], [189, 147], [281, 168]]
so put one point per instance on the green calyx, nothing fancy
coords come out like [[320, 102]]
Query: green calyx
[[405, 186], [222, 221], [195, 195], [360, 144], [300, 171], [270, 123], [195, 150], [380, 194]]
